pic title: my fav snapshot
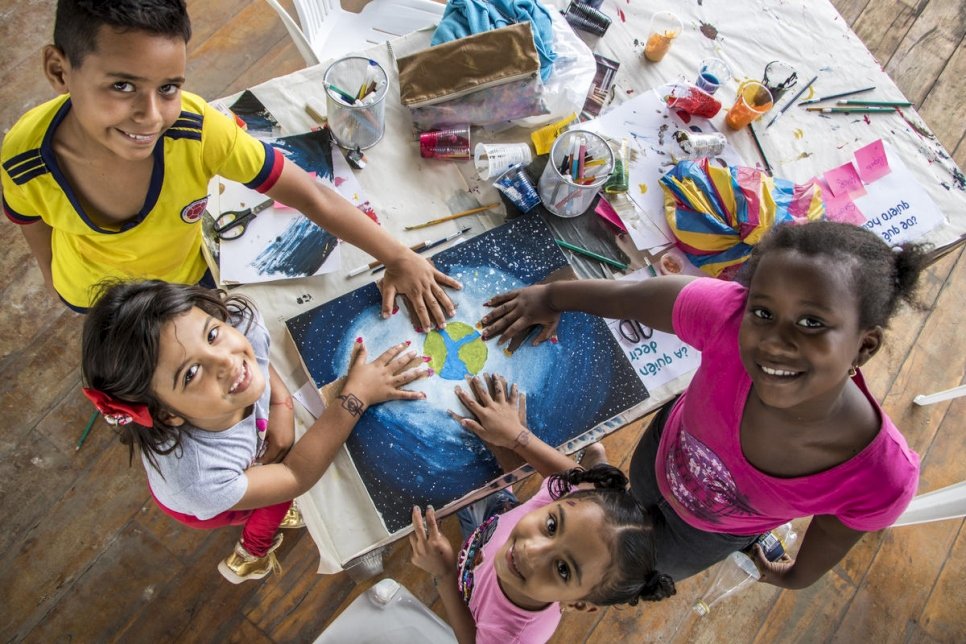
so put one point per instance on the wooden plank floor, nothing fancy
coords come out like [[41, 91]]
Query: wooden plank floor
[[84, 555]]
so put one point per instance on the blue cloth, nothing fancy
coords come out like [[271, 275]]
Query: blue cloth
[[463, 18]]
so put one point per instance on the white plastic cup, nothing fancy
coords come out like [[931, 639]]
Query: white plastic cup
[[493, 159]]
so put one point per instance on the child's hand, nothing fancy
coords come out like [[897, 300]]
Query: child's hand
[[420, 284], [383, 378], [498, 418], [773, 572], [515, 312], [432, 551]]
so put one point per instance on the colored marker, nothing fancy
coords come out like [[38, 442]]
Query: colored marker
[[589, 253], [341, 93], [841, 95], [422, 247], [876, 103], [851, 110]]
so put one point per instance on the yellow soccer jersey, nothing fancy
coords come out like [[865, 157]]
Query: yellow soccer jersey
[[163, 240]]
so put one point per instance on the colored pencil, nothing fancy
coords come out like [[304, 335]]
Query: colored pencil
[[761, 151], [341, 93], [465, 213], [589, 253], [852, 110], [840, 95], [797, 96], [877, 103], [87, 430], [422, 247]]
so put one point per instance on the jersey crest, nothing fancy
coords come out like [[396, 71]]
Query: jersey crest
[[194, 210]]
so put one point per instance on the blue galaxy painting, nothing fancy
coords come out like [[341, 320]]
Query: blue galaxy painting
[[412, 452]]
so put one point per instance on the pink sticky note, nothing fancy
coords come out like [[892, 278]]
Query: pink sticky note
[[608, 214], [844, 180], [843, 209], [873, 162]]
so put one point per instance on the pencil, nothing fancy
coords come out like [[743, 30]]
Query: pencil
[[87, 430], [761, 151], [840, 95], [589, 253], [797, 96], [852, 110], [465, 213], [315, 116], [877, 103]]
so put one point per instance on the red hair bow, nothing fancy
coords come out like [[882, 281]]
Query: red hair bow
[[119, 412]]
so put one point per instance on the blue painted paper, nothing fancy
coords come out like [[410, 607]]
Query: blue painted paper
[[412, 452]]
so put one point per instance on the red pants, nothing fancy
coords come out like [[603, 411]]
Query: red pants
[[260, 524]]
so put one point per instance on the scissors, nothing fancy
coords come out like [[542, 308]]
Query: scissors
[[634, 331], [233, 223]]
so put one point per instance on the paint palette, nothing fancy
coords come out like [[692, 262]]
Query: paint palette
[[412, 452]]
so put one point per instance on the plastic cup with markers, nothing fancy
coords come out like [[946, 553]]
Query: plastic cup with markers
[[712, 74], [752, 101], [356, 114], [665, 27], [452, 143], [493, 159], [580, 164]]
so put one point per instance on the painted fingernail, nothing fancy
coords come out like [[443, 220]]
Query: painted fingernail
[[553, 339], [426, 358], [359, 340], [408, 342], [419, 329], [430, 371], [395, 310]]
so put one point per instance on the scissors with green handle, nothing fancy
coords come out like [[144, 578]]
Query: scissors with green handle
[[233, 223]]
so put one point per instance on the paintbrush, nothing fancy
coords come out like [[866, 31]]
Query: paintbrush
[[761, 151], [465, 213], [841, 95], [876, 103], [852, 110], [422, 247], [797, 96]]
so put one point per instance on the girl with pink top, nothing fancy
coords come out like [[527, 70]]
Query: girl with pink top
[[777, 422], [565, 548]]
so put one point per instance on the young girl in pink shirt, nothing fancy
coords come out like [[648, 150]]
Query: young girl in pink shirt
[[777, 422], [582, 541]]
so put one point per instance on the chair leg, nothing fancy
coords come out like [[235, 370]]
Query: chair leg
[[949, 394]]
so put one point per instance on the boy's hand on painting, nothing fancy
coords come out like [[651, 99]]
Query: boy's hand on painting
[[432, 551], [421, 284], [382, 379], [499, 418], [515, 312]]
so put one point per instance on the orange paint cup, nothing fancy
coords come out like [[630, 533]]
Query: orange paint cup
[[752, 101], [665, 27]]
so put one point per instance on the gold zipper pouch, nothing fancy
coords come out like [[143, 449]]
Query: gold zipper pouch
[[490, 77]]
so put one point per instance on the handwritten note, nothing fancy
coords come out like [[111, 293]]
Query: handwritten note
[[657, 357], [897, 208], [872, 161], [844, 180], [841, 209]]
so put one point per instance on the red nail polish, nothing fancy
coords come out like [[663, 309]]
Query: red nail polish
[[359, 340], [419, 329], [426, 359], [408, 342], [553, 339], [395, 310]]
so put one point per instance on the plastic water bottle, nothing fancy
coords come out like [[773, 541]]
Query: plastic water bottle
[[739, 570]]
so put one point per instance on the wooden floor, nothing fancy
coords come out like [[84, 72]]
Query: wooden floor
[[84, 555]]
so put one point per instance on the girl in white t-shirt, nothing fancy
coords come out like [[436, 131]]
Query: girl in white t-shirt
[[184, 373]]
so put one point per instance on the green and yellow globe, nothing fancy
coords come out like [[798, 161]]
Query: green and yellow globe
[[456, 351]]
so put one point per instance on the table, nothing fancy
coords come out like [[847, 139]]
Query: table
[[404, 188]]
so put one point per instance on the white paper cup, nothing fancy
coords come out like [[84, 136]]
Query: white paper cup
[[493, 159]]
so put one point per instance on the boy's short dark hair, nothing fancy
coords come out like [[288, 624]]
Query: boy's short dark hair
[[78, 21]]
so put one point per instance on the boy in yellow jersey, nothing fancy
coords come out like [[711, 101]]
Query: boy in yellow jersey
[[110, 179]]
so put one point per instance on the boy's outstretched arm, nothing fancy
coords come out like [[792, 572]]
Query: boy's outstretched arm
[[650, 301], [37, 235], [407, 273], [499, 419]]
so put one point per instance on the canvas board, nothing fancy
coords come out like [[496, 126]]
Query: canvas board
[[412, 452]]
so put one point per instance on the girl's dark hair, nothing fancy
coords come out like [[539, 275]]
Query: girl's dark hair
[[881, 276], [632, 576], [78, 22], [121, 344]]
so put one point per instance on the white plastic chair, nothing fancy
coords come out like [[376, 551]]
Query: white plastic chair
[[329, 31]]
